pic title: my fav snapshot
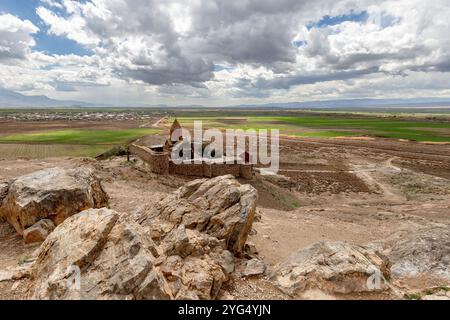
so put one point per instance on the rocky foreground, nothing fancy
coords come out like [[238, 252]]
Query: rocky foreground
[[52, 195], [190, 244]]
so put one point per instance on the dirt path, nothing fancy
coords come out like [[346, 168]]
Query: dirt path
[[389, 192], [157, 123], [153, 124], [389, 164]]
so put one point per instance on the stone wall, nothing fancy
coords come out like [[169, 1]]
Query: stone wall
[[246, 171], [187, 169], [210, 170], [158, 161], [221, 169]]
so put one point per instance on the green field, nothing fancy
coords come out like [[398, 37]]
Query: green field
[[43, 151], [70, 143], [329, 126], [86, 136]]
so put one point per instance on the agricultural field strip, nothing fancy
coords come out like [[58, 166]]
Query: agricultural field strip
[[67, 143], [327, 127], [402, 153], [42, 151], [80, 136]]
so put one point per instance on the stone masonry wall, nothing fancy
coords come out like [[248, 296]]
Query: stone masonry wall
[[187, 169], [159, 162], [219, 169]]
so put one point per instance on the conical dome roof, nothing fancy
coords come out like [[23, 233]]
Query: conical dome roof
[[175, 131], [176, 125]]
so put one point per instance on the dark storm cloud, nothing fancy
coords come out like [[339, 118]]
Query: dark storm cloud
[[285, 82], [264, 41], [252, 32], [176, 74], [255, 32]]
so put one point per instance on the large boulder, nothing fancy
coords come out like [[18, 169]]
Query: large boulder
[[54, 194], [332, 267], [424, 253], [220, 207], [90, 256], [100, 254]]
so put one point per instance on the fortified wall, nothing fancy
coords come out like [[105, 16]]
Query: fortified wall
[[209, 170], [160, 163], [158, 157]]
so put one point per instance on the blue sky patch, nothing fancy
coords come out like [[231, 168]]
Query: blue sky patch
[[332, 21], [299, 43], [50, 44], [218, 67], [387, 21]]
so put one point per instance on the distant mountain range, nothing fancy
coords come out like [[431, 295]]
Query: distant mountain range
[[356, 103], [11, 99]]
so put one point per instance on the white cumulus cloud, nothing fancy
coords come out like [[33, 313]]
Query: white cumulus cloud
[[16, 38]]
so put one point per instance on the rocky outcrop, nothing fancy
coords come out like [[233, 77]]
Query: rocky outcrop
[[439, 295], [54, 194], [100, 254], [426, 252], [332, 267], [343, 268], [194, 265], [39, 231], [254, 267], [219, 207]]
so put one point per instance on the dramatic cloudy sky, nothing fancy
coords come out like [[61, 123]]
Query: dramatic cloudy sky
[[215, 52]]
